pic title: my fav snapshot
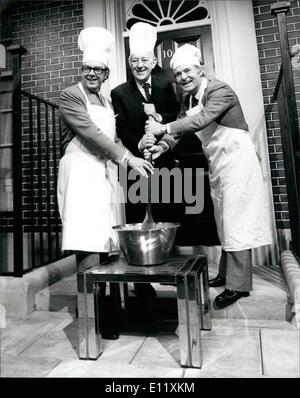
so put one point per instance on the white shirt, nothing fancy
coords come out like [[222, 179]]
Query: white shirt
[[198, 96], [200, 92], [141, 89]]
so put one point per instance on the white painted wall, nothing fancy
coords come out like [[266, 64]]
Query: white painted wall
[[109, 14]]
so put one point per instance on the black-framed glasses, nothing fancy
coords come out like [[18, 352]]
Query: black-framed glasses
[[96, 69]]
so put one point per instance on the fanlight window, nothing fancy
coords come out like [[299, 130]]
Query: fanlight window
[[166, 12]]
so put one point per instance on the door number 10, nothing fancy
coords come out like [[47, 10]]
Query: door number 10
[[167, 53]]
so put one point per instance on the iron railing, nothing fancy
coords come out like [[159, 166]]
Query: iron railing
[[40, 157], [289, 127], [30, 227]]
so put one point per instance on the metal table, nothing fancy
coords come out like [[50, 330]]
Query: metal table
[[189, 273]]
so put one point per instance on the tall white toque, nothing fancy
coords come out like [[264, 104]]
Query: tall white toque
[[96, 44], [187, 54], [142, 38]]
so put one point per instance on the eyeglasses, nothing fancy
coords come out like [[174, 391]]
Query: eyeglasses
[[96, 69]]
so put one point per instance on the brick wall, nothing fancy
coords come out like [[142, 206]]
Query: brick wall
[[270, 61], [49, 31]]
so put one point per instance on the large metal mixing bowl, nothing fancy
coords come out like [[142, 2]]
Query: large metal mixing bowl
[[148, 246]]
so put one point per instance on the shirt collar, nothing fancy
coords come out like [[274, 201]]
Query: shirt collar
[[199, 93], [140, 86], [201, 90]]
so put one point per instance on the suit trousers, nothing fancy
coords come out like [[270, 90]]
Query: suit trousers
[[236, 267]]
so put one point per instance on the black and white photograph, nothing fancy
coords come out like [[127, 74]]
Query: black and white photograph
[[149, 192]]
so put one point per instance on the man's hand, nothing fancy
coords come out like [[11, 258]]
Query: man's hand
[[154, 128], [147, 141], [154, 152], [142, 166], [150, 110]]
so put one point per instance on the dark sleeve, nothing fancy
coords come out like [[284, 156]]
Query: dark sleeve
[[74, 112], [172, 105], [218, 101], [129, 140]]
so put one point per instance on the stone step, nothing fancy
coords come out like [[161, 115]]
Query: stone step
[[256, 306], [60, 296], [267, 300]]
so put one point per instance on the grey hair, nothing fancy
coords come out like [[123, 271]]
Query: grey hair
[[149, 52]]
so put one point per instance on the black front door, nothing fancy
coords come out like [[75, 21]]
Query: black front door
[[196, 229]]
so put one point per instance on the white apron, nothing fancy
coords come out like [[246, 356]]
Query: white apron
[[236, 184], [89, 195]]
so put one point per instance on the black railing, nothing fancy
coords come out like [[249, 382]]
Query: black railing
[[40, 156], [30, 225], [289, 127]]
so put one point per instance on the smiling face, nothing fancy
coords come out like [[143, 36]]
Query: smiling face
[[189, 78], [93, 74], [141, 65]]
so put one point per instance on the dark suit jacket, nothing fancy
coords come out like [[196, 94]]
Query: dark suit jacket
[[220, 105], [75, 121], [128, 101]]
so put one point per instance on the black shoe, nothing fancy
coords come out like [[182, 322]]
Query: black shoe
[[110, 335], [144, 290], [228, 297], [217, 281]]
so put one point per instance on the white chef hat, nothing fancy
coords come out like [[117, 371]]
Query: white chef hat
[[96, 44], [186, 55], [142, 38]]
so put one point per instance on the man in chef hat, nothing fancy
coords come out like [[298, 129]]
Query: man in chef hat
[[214, 113], [145, 94], [88, 190]]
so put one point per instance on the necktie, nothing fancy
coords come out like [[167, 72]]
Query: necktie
[[194, 101], [146, 87]]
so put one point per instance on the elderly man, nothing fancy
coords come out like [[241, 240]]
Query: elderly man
[[89, 195], [212, 110], [145, 95]]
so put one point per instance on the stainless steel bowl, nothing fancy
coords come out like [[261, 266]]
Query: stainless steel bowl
[[147, 246]]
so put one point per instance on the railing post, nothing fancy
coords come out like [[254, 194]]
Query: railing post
[[16, 52], [290, 130]]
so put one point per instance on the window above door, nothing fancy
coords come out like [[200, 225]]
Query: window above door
[[167, 12]]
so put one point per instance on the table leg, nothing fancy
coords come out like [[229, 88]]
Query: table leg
[[89, 336], [193, 309], [183, 327], [194, 300], [188, 296]]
